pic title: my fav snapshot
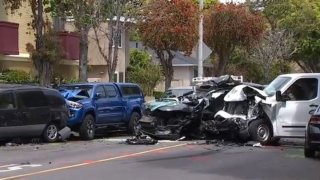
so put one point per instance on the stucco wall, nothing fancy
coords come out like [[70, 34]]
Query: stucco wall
[[22, 17]]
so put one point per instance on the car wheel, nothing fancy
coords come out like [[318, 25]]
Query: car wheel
[[50, 133], [309, 153], [133, 124], [260, 131], [87, 128]]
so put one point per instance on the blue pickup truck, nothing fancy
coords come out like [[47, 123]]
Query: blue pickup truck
[[96, 105]]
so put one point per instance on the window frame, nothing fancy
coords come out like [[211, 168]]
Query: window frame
[[15, 105], [294, 83]]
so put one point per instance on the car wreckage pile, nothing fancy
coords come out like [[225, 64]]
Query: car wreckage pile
[[219, 108]]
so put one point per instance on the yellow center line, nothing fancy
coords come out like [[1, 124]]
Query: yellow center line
[[92, 162]]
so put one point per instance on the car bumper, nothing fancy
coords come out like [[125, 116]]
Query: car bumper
[[75, 117]]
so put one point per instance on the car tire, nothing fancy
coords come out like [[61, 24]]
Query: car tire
[[261, 131], [134, 120], [87, 128], [309, 153], [50, 133]]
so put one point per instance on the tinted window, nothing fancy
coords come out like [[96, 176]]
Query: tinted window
[[303, 89], [101, 91], [130, 90], [54, 99], [32, 98], [7, 101], [111, 91]]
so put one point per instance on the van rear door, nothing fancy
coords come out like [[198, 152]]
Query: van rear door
[[293, 115]]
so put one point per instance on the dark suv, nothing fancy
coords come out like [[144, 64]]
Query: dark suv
[[31, 111]]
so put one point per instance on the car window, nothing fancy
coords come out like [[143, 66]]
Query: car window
[[101, 91], [111, 91], [303, 89], [7, 101], [131, 91], [33, 98]]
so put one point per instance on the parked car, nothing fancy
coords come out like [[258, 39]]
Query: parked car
[[100, 105], [312, 140], [30, 111]]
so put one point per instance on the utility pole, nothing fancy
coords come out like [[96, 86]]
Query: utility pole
[[200, 48]]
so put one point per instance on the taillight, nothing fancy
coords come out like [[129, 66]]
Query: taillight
[[315, 120]]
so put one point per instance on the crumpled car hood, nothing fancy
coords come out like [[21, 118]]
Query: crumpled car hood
[[239, 93], [72, 95], [156, 104]]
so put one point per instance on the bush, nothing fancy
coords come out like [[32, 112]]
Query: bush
[[16, 76], [158, 94]]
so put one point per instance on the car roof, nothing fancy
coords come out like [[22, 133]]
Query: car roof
[[296, 75], [4, 87]]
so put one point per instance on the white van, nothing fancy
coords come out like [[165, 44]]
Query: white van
[[293, 99], [282, 109]]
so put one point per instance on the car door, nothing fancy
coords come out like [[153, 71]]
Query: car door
[[292, 115], [34, 110], [114, 102], [101, 105], [9, 119]]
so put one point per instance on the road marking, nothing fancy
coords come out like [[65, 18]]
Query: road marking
[[93, 162], [19, 167], [7, 165]]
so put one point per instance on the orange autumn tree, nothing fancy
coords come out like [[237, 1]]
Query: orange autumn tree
[[230, 25], [168, 26]]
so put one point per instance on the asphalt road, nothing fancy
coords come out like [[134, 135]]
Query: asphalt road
[[114, 160]]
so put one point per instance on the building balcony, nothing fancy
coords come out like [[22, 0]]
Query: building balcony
[[9, 38], [70, 44]]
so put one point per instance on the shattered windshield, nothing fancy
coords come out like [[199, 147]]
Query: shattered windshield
[[79, 91], [276, 85]]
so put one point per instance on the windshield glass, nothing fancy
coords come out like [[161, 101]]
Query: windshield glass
[[84, 91], [276, 85]]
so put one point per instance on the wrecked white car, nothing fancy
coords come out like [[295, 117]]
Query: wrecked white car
[[282, 109]]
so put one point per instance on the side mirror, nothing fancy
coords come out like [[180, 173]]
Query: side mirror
[[282, 97]]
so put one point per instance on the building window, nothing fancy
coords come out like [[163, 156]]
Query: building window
[[119, 40], [121, 77], [115, 77]]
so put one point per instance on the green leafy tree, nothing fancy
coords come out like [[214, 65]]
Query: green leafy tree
[[168, 27], [46, 52], [142, 71], [228, 26]]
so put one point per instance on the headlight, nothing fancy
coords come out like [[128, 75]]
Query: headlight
[[74, 105]]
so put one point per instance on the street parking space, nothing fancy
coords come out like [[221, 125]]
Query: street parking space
[[113, 158]]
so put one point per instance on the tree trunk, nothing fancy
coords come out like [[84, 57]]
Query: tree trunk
[[83, 61], [223, 60], [168, 77], [166, 64]]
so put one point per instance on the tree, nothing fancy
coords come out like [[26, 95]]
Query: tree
[[228, 26], [82, 12], [112, 18], [304, 23], [168, 27], [143, 72], [302, 19], [275, 47], [46, 52]]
